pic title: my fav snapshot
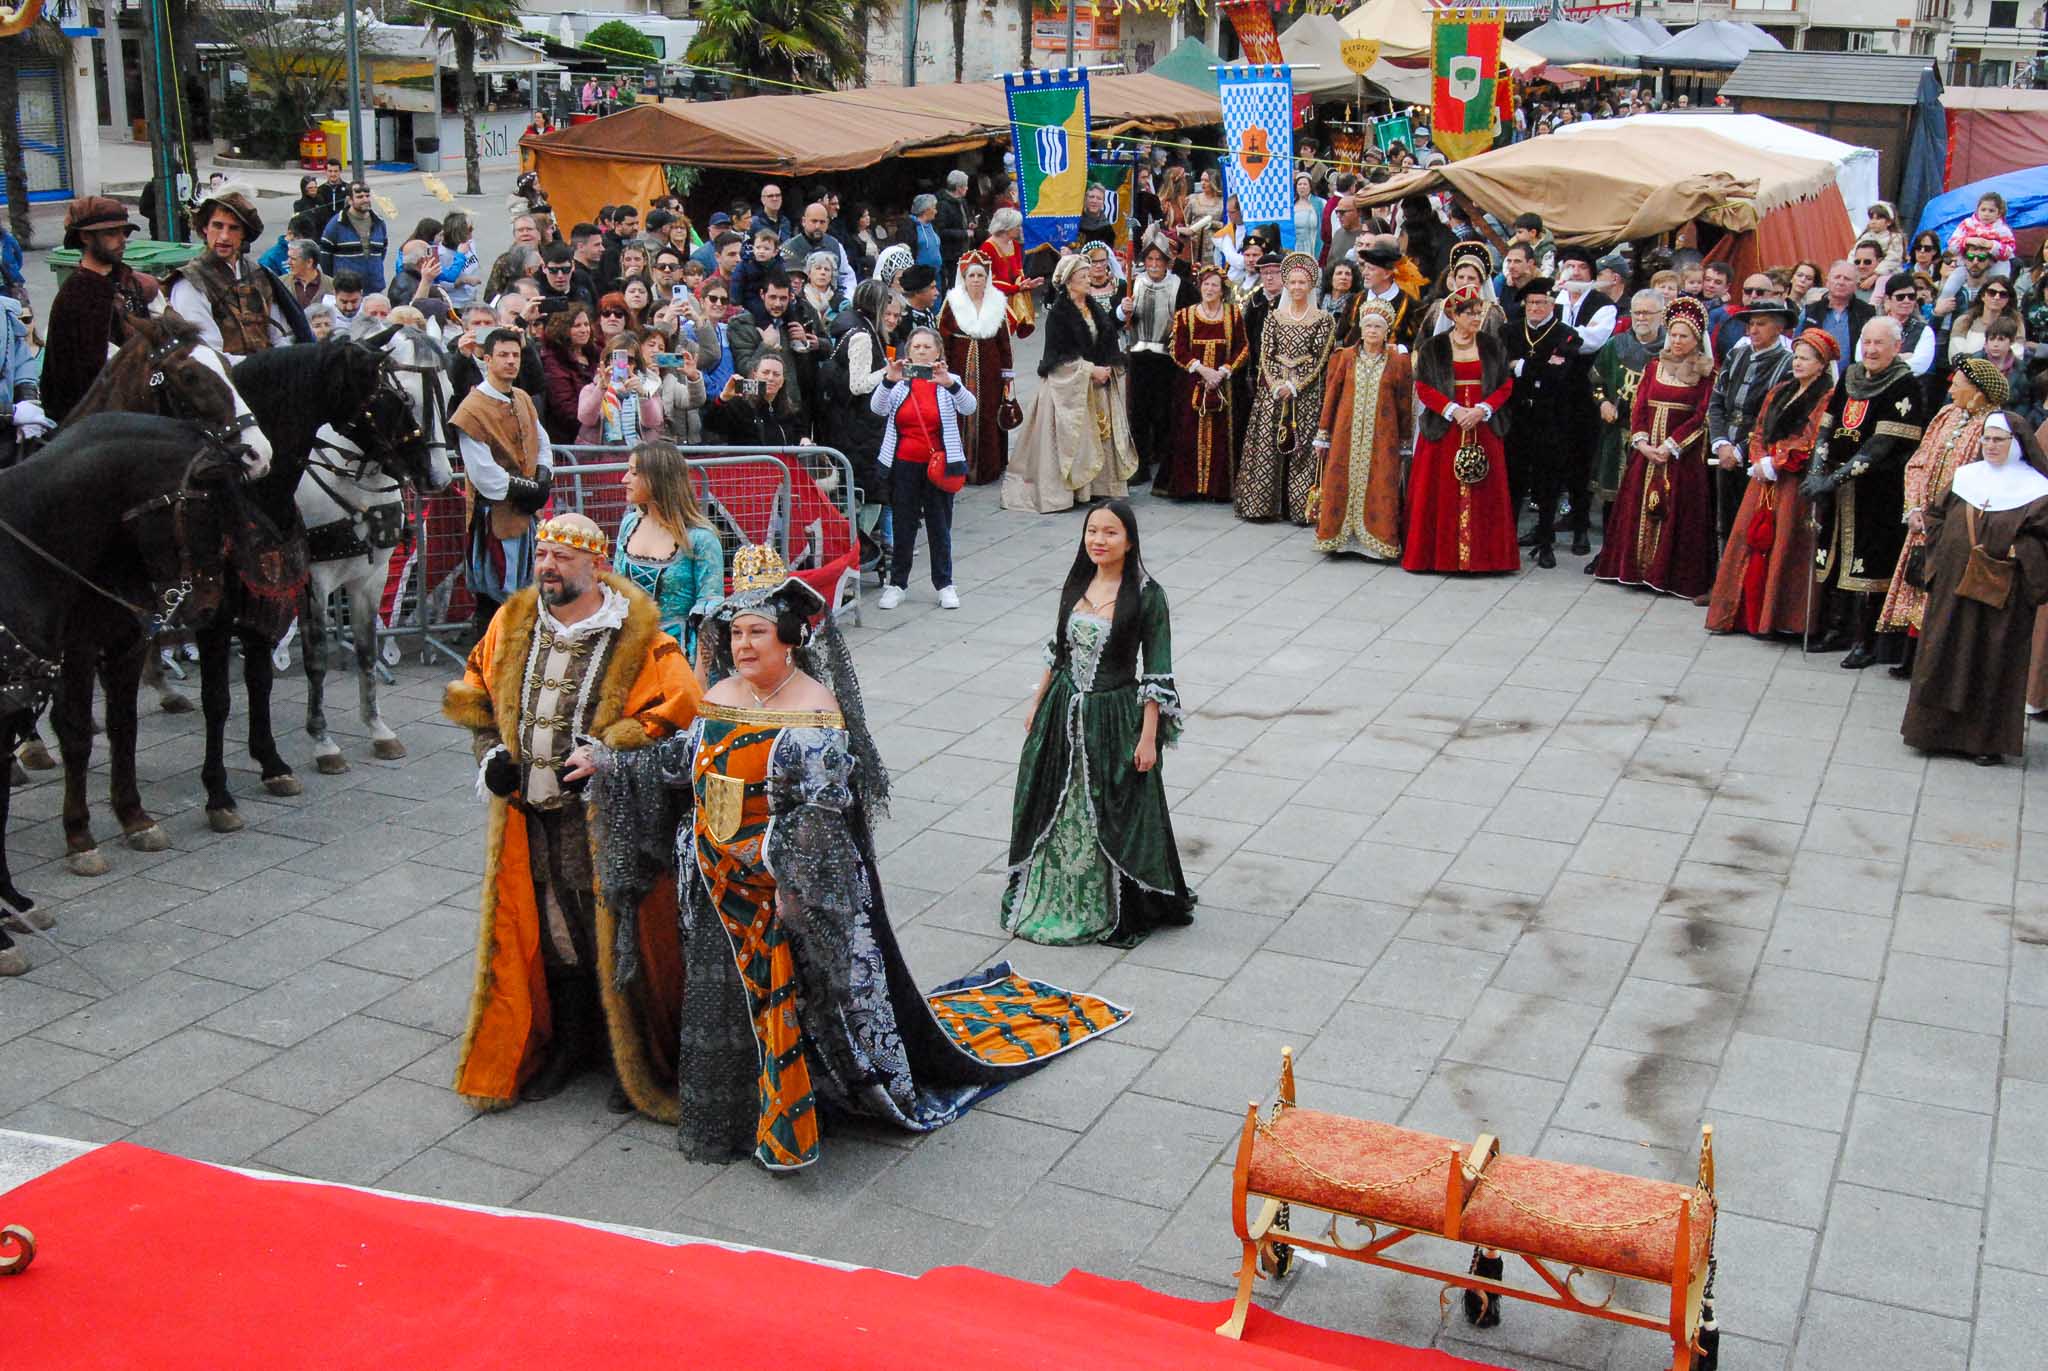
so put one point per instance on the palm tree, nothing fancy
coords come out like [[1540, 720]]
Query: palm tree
[[801, 42], [40, 44], [474, 27]]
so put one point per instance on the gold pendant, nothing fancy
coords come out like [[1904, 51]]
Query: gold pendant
[[725, 800]]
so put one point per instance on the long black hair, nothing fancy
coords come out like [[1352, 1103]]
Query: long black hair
[[1122, 647]]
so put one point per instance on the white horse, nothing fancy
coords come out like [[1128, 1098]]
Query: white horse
[[353, 506]]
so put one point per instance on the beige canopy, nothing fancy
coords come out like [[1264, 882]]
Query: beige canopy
[[1403, 28], [1616, 182], [802, 135]]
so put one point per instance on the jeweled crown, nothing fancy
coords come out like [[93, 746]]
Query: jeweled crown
[[757, 567]]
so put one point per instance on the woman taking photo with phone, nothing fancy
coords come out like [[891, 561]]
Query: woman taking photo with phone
[[1092, 856], [622, 403], [922, 404], [682, 385], [755, 410]]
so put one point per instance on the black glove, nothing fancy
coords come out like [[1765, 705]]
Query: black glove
[[501, 774], [528, 496], [1820, 482]]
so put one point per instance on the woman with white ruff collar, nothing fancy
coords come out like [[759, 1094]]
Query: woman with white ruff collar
[[976, 331]]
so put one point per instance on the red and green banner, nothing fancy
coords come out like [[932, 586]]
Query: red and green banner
[[1464, 75]]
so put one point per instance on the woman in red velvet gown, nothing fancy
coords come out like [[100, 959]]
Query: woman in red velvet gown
[[1005, 252], [1461, 522], [1661, 533], [974, 327], [1209, 343], [1765, 580]]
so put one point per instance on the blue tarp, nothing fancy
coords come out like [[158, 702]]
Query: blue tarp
[[1927, 152], [2026, 202]]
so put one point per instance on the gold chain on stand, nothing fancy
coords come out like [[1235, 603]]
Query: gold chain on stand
[[1357, 1187]]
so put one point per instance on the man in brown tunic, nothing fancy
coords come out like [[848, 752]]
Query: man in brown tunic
[[89, 318], [509, 465]]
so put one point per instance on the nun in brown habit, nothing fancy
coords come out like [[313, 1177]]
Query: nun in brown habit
[[1985, 572]]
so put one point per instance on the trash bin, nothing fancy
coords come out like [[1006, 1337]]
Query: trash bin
[[144, 254], [426, 154], [337, 139]]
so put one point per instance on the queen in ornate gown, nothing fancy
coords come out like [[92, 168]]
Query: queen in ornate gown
[[1092, 856], [1660, 534], [1281, 465], [796, 999], [1459, 515], [1209, 343]]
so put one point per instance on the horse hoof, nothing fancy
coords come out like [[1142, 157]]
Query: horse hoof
[[175, 704], [19, 776], [13, 961], [387, 749], [224, 821], [34, 755], [28, 920], [91, 862], [330, 764], [286, 784], [149, 839]]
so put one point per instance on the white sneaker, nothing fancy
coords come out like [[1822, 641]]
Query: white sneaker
[[949, 598], [892, 596]]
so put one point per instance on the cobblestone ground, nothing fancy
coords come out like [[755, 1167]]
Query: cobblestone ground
[[1521, 854]]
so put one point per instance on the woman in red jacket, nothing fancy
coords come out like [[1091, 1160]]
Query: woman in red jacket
[[568, 361]]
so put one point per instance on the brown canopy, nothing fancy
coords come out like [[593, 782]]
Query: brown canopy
[[799, 135], [1611, 184]]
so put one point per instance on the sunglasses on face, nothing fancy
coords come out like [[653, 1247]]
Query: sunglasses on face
[[612, 314], [1756, 292], [1976, 257], [557, 270], [716, 299], [1999, 291]]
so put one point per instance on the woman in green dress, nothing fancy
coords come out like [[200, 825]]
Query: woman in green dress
[[1092, 857], [797, 1005]]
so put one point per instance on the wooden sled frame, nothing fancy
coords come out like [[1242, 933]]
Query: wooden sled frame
[[1268, 1243]]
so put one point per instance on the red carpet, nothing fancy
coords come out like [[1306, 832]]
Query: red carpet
[[151, 1260]]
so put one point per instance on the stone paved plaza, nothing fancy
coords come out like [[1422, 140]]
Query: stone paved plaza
[[1522, 854]]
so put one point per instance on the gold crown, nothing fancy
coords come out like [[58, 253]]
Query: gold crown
[[757, 566], [576, 531]]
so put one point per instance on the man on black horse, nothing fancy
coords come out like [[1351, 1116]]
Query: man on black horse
[[239, 306], [89, 319]]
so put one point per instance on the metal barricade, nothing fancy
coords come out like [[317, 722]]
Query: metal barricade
[[801, 501]]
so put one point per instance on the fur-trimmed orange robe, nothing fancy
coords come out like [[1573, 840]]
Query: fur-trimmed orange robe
[[647, 692]]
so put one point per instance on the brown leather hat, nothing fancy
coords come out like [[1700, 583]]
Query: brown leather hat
[[95, 212]]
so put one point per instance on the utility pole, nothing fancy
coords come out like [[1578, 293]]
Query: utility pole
[[910, 9], [355, 88], [163, 166], [1073, 7]]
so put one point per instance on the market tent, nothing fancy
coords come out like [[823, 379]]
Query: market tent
[[1856, 168], [1620, 180], [1629, 40], [1717, 44], [1564, 41], [2026, 202], [1316, 41], [1652, 31], [812, 134], [1994, 129], [1402, 29], [1193, 64]]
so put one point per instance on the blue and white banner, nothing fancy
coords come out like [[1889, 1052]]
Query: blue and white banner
[[1049, 133], [1258, 126]]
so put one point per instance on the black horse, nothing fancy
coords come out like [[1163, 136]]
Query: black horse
[[123, 508], [295, 392]]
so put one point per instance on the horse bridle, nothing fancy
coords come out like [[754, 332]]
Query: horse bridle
[[361, 432], [174, 595], [228, 433]]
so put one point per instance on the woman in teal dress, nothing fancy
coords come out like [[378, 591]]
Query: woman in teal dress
[[797, 1004], [1092, 857], [666, 546]]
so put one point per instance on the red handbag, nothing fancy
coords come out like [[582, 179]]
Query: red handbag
[[935, 472]]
